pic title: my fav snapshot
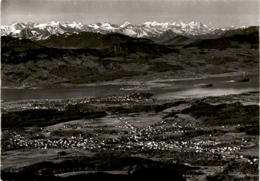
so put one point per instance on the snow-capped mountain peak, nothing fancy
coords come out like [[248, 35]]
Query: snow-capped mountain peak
[[54, 23], [75, 25], [107, 26], [41, 26], [125, 24]]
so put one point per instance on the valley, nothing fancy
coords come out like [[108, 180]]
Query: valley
[[92, 105]]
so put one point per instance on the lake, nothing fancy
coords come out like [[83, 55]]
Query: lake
[[163, 89]]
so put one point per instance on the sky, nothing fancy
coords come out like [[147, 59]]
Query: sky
[[214, 13]]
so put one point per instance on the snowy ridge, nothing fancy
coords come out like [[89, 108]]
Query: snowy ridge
[[36, 31]]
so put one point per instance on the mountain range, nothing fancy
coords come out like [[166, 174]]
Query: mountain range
[[62, 55], [152, 30]]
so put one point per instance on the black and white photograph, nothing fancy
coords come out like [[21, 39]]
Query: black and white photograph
[[130, 89]]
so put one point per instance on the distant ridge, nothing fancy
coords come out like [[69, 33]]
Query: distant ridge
[[36, 31], [232, 38]]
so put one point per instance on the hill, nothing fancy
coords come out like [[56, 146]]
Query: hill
[[230, 39]]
